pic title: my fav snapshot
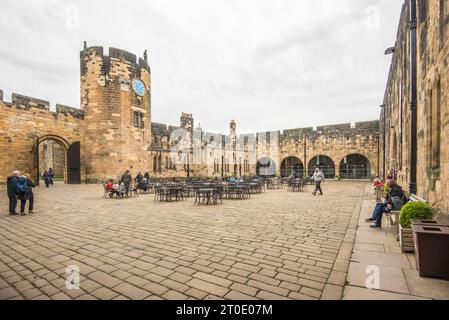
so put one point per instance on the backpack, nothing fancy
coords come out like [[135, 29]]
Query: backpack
[[397, 203], [21, 185]]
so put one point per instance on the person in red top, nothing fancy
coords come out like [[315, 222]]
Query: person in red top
[[109, 185]]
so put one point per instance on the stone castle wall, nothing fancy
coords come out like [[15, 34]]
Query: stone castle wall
[[23, 120], [116, 132], [433, 104]]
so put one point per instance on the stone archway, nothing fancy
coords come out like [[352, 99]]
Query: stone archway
[[355, 166], [71, 157], [325, 163], [266, 167], [291, 165]]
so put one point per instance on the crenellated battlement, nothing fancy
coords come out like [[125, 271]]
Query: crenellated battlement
[[20, 101], [114, 54]]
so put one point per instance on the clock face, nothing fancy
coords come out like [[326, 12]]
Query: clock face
[[139, 87]]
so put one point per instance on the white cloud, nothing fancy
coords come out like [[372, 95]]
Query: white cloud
[[266, 64]]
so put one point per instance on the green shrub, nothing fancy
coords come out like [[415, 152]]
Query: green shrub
[[414, 210]]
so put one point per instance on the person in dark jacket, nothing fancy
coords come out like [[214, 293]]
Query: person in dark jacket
[[394, 201], [27, 195], [52, 175], [126, 179], [47, 178], [11, 183], [139, 178]]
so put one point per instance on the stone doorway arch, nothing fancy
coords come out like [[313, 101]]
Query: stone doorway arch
[[291, 165], [72, 157], [325, 163], [355, 166]]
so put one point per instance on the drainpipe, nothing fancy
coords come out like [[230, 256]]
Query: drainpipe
[[414, 97], [384, 141]]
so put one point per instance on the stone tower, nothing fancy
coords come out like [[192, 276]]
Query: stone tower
[[116, 99]]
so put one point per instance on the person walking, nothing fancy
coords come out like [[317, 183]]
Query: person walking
[[47, 178], [52, 175], [11, 183], [25, 192], [318, 177], [126, 180]]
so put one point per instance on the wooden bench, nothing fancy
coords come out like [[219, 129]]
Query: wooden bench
[[393, 216]]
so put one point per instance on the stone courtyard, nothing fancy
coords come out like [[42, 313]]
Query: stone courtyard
[[278, 245]]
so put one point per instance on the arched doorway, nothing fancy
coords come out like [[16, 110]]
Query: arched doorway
[[52, 151], [326, 165], [266, 167], [355, 166], [290, 166]]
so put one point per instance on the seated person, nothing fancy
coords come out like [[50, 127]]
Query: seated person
[[109, 185], [122, 190], [394, 201], [233, 179], [144, 185], [115, 190], [241, 180]]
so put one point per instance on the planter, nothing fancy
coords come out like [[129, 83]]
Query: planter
[[406, 239], [427, 222], [431, 243]]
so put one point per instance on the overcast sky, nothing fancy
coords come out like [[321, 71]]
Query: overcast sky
[[267, 64]]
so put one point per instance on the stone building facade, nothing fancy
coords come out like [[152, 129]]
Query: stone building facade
[[113, 131], [432, 170]]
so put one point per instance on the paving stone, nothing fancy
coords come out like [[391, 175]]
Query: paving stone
[[8, 293], [104, 278], [332, 292], [104, 294], [173, 295], [208, 287], [235, 295], [267, 287], [427, 287], [210, 278], [132, 292], [265, 295], [156, 288], [357, 293]]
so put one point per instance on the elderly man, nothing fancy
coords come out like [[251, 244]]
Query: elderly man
[[394, 201], [318, 177], [11, 183]]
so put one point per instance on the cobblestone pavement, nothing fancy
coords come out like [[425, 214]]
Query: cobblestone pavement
[[278, 245]]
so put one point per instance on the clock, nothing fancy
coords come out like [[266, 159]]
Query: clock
[[138, 87]]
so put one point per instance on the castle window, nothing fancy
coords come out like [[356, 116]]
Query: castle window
[[142, 125], [136, 119]]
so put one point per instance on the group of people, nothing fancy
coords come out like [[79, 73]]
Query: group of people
[[395, 198], [20, 188], [122, 187]]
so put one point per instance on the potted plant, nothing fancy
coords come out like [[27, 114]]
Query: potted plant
[[337, 178], [410, 211]]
